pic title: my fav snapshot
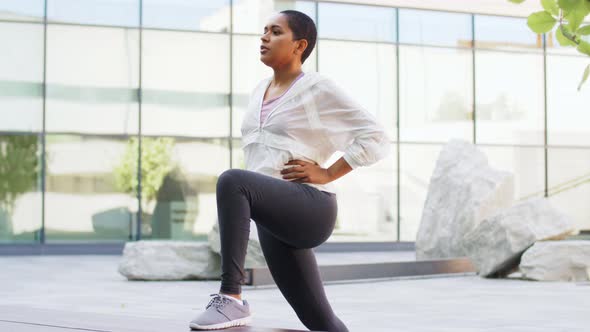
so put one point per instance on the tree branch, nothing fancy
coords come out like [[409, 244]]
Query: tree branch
[[564, 32]]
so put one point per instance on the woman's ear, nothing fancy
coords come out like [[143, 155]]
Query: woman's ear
[[301, 45]]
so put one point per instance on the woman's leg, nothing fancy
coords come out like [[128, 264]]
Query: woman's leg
[[296, 273], [294, 217], [297, 214]]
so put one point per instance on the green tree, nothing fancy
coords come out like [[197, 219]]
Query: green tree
[[569, 16], [156, 163], [19, 172]]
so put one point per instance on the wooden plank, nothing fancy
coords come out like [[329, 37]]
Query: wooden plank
[[23, 327], [23, 319], [27, 327], [257, 329], [86, 321]]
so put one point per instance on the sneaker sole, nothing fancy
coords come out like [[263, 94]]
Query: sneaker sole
[[233, 323]]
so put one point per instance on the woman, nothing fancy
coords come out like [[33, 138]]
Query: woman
[[295, 121]]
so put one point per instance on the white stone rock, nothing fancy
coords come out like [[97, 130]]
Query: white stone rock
[[181, 260], [169, 260], [463, 191], [557, 261], [254, 255], [497, 243]]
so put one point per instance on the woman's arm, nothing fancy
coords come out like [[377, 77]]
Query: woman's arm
[[339, 169], [349, 127]]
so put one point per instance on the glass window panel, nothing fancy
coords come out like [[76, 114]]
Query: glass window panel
[[92, 77], [342, 21], [185, 84], [250, 16], [237, 154], [506, 33], [182, 205], [100, 12], [434, 28], [568, 113], [89, 193], [417, 162], [375, 189], [362, 22], [569, 183], [20, 192], [21, 77], [22, 10], [435, 100], [510, 98], [248, 71], [527, 164], [187, 14], [366, 71]]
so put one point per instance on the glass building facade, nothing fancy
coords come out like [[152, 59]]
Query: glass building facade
[[87, 87]]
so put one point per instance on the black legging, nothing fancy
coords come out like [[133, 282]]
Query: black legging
[[291, 218]]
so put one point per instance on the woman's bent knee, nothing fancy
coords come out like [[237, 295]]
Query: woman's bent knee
[[229, 179]]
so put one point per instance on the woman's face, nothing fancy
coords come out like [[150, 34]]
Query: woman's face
[[277, 47]]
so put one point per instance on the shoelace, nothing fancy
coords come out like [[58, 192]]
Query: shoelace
[[218, 301]]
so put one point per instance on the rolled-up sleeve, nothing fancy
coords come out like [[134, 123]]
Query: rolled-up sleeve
[[349, 127]]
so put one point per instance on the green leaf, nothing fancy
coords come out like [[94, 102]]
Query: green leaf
[[576, 17], [562, 40], [584, 77], [584, 47], [568, 5], [517, 1], [587, 3], [541, 22], [584, 31], [550, 6]]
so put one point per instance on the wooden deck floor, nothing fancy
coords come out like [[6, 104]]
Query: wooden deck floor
[[7, 326], [20, 319]]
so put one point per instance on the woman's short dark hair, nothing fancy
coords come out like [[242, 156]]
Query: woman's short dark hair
[[303, 27]]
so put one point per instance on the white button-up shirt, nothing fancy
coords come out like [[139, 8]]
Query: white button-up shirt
[[312, 121]]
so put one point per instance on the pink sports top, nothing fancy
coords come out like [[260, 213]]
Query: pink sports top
[[268, 105]]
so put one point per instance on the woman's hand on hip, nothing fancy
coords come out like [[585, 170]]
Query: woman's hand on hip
[[305, 172]]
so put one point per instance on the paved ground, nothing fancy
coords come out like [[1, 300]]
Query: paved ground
[[67, 293]]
